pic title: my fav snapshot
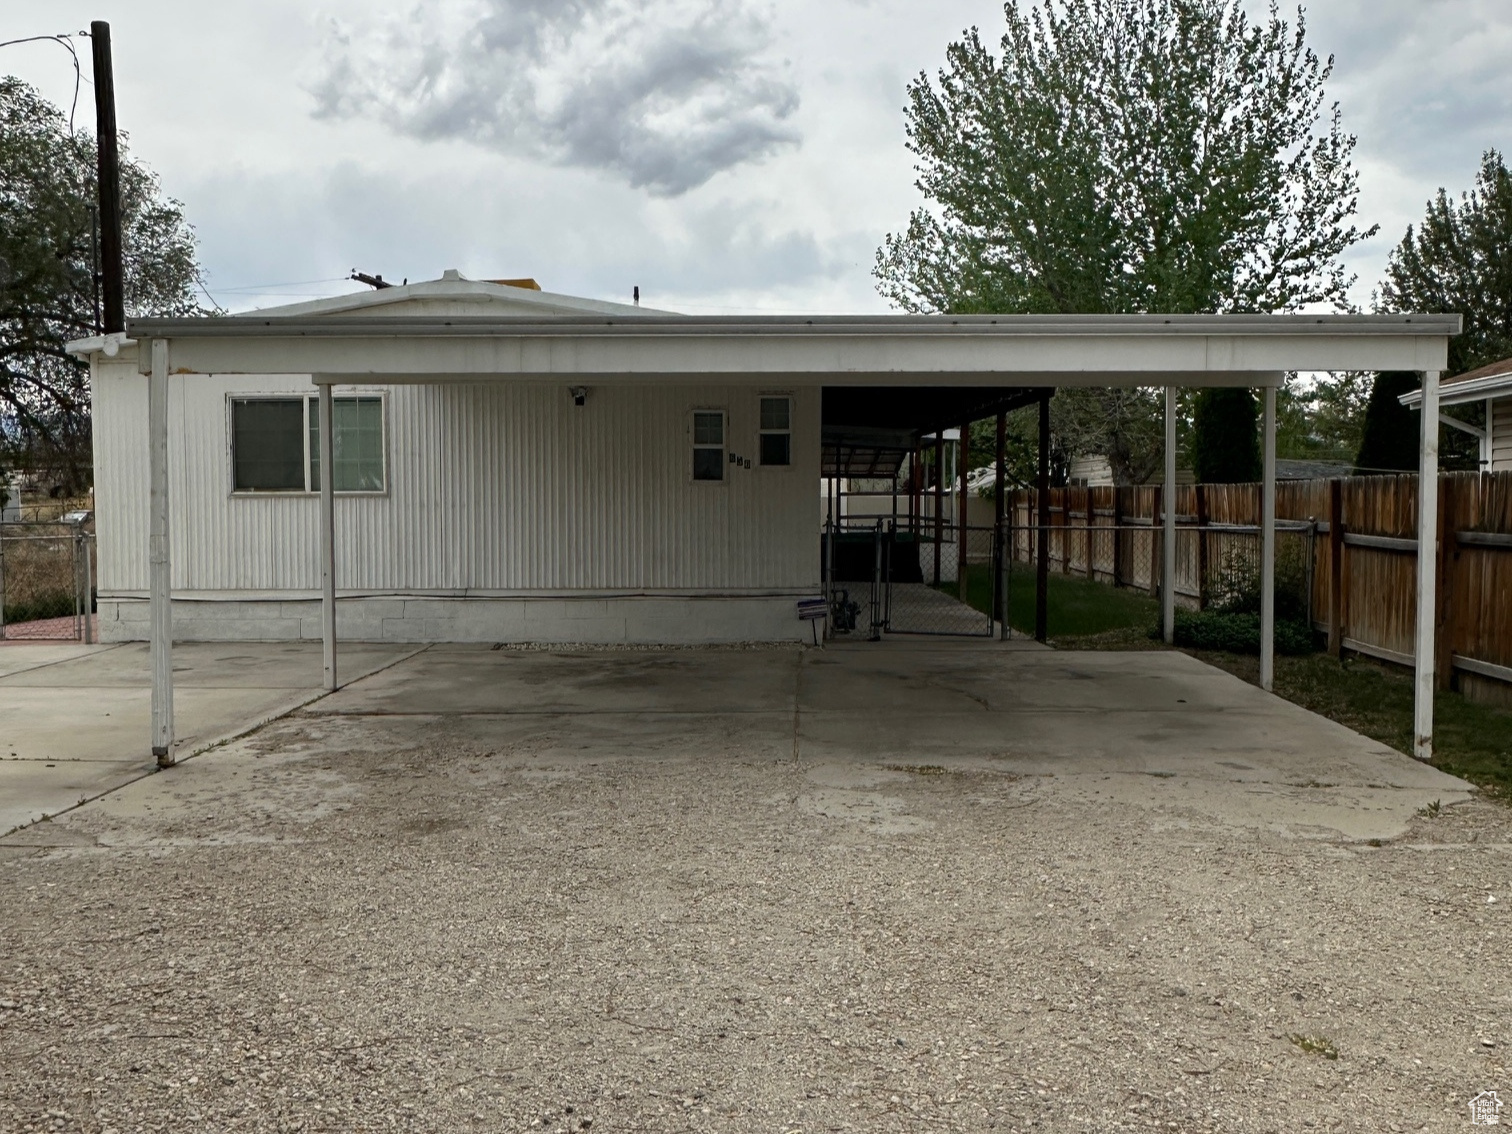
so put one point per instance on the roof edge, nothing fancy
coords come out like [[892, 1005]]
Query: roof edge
[[624, 320]]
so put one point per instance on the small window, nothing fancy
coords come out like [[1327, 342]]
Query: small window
[[358, 440], [708, 445], [275, 444], [776, 431], [267, 445]]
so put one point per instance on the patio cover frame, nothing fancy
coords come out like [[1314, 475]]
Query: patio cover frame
[[1169, 351]]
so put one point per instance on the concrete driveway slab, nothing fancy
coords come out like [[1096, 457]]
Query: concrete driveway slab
[[77, 719], [16, 657], [453, 679], [223, 665]]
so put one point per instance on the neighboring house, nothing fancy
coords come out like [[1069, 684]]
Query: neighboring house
[[1491, 385], [1096, 471], [1288, 468], [1090, 472]]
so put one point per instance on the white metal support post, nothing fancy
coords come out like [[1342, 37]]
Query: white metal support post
[[1427, 570], [1168, 538], [328, 533], [1268, 545], [160, 599]]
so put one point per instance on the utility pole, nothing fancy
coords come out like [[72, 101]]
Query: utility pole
[[112, 263]]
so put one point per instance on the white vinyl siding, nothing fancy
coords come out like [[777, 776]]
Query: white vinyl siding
[[506, 488], [1501, 434]]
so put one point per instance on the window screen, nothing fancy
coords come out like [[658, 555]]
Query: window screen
[[708, 445], [358, 439], [267, 444], [776, 431]]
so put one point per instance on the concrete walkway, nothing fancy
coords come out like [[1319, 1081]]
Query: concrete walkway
[[75, 719]]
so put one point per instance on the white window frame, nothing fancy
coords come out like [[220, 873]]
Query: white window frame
[[310, 489], [787, 396], [724, 445]]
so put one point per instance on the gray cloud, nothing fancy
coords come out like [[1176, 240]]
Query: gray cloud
[[663, 93], [1422, 83]]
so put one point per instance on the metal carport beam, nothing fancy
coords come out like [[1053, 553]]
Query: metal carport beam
[[1067, 350]]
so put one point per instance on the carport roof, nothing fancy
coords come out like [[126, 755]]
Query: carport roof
[[860, 350]]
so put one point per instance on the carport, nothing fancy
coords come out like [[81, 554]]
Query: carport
[[901, 361]]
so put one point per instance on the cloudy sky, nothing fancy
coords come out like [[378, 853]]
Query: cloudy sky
[[724, 155]]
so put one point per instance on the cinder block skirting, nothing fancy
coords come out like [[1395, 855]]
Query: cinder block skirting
[[631, 620]]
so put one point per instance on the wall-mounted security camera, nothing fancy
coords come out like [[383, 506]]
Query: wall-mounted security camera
[[579, 395]]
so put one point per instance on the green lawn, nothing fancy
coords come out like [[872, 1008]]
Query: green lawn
[[1471, 740], [1076, 607]]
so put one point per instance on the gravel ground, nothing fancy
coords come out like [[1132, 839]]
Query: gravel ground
[[425, 924]]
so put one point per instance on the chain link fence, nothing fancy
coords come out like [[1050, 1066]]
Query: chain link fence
[[928, 578], [46, 581]]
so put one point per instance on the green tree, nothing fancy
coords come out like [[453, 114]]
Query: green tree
[[1225, 441], [1390, 435], [1460, 260], [47, 190], [1126, 156]]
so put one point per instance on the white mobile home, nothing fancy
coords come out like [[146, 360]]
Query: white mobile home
[[465, 512], [514, 466]]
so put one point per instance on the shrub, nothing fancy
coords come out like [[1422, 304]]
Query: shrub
[[51, 604], [1238, 633], [1234, 588]]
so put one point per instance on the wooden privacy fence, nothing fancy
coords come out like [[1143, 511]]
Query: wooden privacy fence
[[1346, 547]]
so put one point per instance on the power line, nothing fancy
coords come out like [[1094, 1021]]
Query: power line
[[78, 74], [285, 283]]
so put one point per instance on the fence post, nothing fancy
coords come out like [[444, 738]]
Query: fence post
[[1312, 567], [939, 503], [1042, 549], [1118, 535], [1155, 537], [89, 634], [1202, 546], [1448, 549], [963, 458], [876, 603], [1091, 570], [78, 604], [1065, 534], [1336, 567]]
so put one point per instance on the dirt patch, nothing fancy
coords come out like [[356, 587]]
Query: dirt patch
[[415, 930]]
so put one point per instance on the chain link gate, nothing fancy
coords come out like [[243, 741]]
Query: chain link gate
[[46, 581], [933, 572]]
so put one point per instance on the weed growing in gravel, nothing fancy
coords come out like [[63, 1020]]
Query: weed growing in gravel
[[1432, 810], [1315, 1045]]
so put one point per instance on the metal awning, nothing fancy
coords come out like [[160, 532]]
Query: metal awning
[[899, 350]]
